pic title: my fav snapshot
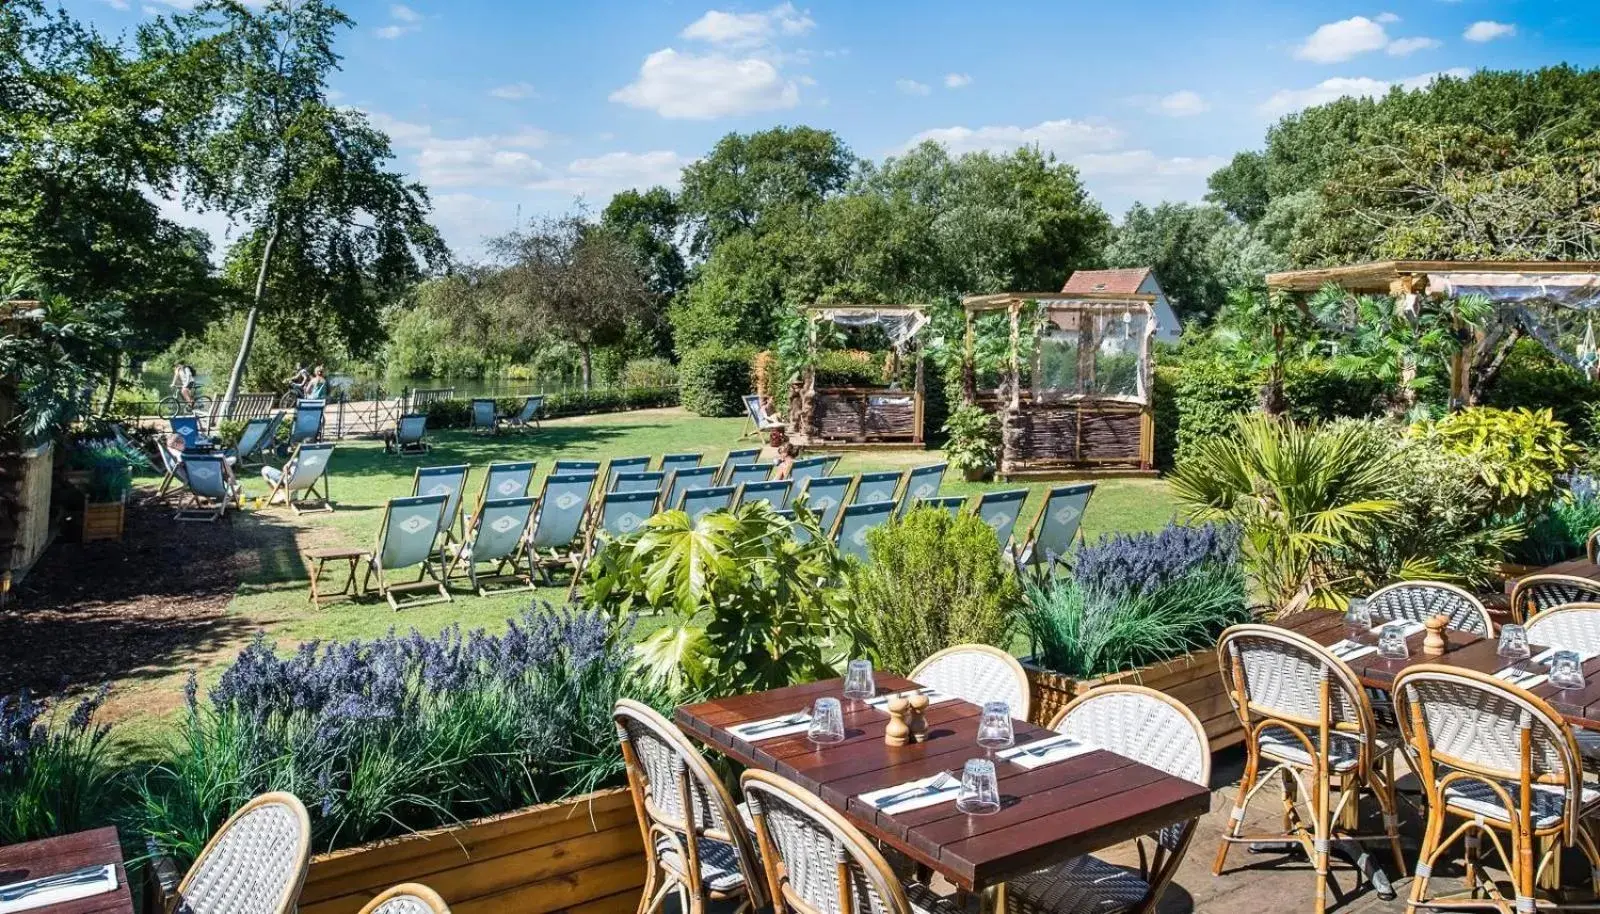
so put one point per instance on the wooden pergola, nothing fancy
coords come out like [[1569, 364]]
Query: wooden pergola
[[862, 416]]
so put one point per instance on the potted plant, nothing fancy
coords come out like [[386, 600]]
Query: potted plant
[[974, 442], [106, 494]]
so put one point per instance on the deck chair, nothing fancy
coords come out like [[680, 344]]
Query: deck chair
[[528, 416], [1057, 525], [757, 421], [496, 534], [775, 493], [189, 428], [624, 465], [872, 488], [207, 496], [682, 480], [697, 503], [485, 418], [850, 533], [172, 482], [308, 415], [831, 468], [563, 467], [307, 466], [406, 539], [621, 513], [1000, 511], [450, 482], [256, 440], [503, 480], [646, 481], [409, 431], [563, 508], [734, 459], [921, 482], [951, 503], [808, 468], [824, 496], [750, 472]]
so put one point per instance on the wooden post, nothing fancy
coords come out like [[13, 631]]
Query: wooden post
[[916, 422]]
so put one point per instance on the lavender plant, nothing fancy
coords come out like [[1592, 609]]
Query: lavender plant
[[55, 776], [1128, 564], [402, 733]]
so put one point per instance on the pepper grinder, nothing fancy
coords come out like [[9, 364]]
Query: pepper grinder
[[1434, 644], [918, 717], [898, 733]]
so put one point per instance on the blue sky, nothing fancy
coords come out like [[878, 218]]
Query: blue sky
[[497, 106]]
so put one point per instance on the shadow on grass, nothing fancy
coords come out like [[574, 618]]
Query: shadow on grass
[[456, 446]]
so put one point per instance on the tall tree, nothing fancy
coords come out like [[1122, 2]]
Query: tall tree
[[748, 178], [1189, 248], [328, 227]]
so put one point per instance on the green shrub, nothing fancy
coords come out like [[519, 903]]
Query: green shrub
[[1531, 378], [55, 772], [714, 379], [1211, 390], [974, 442], [934, 580], [1561, 530], [638, 374], [1519, 453], [849, 368], [457, 413]]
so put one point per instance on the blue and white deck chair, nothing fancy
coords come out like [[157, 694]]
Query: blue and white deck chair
[[563, 467], [682, 480], [1000, 511], [450, 482], [921, 482], [873, 488], [563, 508], [950, 503], [189, 428], [621, 513], [406, 539], [697, 503], [750, 472], [757, 420], [735, 459], [850, 535], [808, 468], [172, 482], [528, 416], [775, 494], [208, 495], [503, 480], [624, 465], [409, 431], [484, 418], [645, 481], [308, 416], [824, 496], [256, 439], [307, 466], [800, 533], [1057, 525], [672, 462], [832, 466], [496, 536]]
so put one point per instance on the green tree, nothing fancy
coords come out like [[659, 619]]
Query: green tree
[[650, 224], [1240, 187], [1189, 247], [747, 179]]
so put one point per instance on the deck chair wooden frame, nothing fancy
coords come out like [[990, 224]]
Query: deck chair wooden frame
[[920, 482], [437, 481], [750, 492], [716, 498], [410, 435], [485, 418], [1003, 498], [299, 433], [620, 465], [206, 497], [527, 417], [297, 461], [568, 493], [172, 485], [882, 511], [1056, 500], [835, 492], [383, 561], [633, 510], [671, 463], [683, 480], [757, 421], [510, 548], [870, 486], [256, 439]]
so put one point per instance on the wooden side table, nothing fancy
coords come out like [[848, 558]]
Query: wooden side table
[[36, 859], [318, 558]]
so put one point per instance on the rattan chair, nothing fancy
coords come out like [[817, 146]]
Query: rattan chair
[[818, 863], [1500, 762], [1307, 720], [694, 838], [254, 864], [1148, 727], [1591, 544], [977, 673], [1539, 593], [1419, 601], [1574, 627], [407, 898]]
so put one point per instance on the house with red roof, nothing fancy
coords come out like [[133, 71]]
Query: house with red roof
[[1136, 281]]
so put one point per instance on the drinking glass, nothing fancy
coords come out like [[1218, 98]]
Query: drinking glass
[[1358, 619], [980, 790], [827, 721], [1513, 642], [1392, 641], [1566, 670], [858, 682], [994, 728]]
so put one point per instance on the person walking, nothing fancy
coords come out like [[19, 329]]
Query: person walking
[[317, 389]]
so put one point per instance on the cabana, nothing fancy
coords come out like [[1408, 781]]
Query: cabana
[[874, 416], [1069, 376], [1549, 301]]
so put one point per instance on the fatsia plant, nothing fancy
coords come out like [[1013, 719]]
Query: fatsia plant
[[1299, 494]]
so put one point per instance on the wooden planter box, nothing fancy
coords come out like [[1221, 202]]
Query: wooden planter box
[[1193, 679], [579, 855], [103, 521]]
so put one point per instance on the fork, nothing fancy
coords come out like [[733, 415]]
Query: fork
[[938, 785], [778, 724], [1045, 746]]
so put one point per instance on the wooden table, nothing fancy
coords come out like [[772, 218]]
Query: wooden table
[[1048, 814], [318, 558], [1577, 568], [1580, 707], [20, 862]]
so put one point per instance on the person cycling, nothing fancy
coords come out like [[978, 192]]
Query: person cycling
[[183, 382], [297, 382]]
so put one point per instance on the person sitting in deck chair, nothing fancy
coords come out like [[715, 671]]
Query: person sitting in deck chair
[[175, 445]]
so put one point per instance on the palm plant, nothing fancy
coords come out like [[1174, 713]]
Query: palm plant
[[1299, 494]]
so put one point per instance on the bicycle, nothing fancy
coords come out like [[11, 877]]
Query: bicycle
[[291, 397], [173, 405]]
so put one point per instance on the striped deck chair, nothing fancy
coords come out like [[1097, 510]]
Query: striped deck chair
[[734, 459], [208, 495], [506, 479], [1000, 511], [774, 494], [682, 480], [621, 513], [950, 503], [757, 421], [256, 440], [697, 503], [646, 481], [406, 539], [409, 431], [624, 465], [673, 462], [308, 416], [563, 508], [872, 488], [485, 418], [298, 480], [750, 472], [921, 482], [189, 428], [808, 468], [1057, 525], [850, 533], [824, 496], [563, 467], [451, 482], [528, 416], [496, 535]]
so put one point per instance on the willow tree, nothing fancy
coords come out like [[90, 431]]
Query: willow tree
[[324, 221]]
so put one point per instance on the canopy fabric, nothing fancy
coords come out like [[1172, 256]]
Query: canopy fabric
[[901, 325], [1571, 290]]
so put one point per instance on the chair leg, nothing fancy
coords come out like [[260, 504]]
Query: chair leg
[[1236, 819], [1389, 803], [1321, 836], [1431, 833]]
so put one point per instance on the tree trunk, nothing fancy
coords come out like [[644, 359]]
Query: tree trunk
[[587, 360], [236, 376], [112, 378]]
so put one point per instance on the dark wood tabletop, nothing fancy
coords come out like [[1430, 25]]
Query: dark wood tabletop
[[1048, 814], [20, 862], [1580, 707], [1578, 568]]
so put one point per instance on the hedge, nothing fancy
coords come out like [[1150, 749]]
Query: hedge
[[714, 379], [457, 413]]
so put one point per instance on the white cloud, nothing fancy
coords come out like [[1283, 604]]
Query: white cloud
[[391, 32], [1400, 47], [1488, 30], [404, 13], [117, 4], [405, 20], [748, 29], [514, 91], [1064, 138], [491, 160], [1286, 100], [604, 175], [911, 87], [702, 86], [1343, 40], [1387, 18], [957, 80], [1183, 103]]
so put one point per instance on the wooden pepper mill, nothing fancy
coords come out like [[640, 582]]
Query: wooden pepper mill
[[918, 719], [898, 733], [1434, 644]]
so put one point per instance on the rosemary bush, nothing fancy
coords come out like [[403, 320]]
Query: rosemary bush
[[55, 776]]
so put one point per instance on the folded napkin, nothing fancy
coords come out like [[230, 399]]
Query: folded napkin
[[1517, 677], [934, 697], [1047, 751], [1350, 650], [1411, 628], [786, 725], [104, 881], [929, 791]]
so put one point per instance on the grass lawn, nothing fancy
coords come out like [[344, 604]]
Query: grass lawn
[[273, 597]]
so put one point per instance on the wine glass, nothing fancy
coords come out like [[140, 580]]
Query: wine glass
[[980, 789], [858, 682], [827, 722], [994, 727]]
